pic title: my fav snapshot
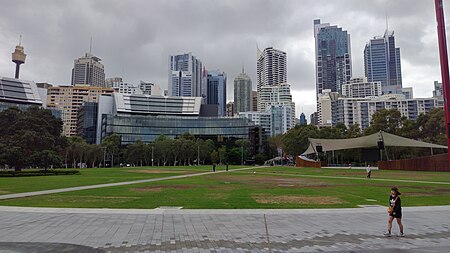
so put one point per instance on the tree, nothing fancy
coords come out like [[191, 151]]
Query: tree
[[385, 120], [112, 145], [135, 153], [222, 152], [244, 144], [295, 141], [26, 134]]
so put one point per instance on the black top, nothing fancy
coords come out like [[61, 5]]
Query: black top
[[398, 204]]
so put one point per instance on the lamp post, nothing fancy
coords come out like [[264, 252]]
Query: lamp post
[[153, 148], [442, 40]]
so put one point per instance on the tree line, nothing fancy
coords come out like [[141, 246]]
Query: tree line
[[428, 127], [32, 138]]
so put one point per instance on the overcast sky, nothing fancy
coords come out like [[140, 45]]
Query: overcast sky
[[134, 38]]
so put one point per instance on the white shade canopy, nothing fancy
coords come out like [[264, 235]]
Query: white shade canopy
[[370, 141]]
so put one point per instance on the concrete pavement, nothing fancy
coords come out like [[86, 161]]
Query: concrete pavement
[[427, 229]]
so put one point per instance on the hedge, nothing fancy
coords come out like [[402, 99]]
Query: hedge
[[30, 173]]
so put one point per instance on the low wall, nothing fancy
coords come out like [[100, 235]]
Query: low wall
[[426, 163], [300, 162]]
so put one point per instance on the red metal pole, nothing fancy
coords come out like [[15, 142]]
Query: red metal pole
[[444, 65]]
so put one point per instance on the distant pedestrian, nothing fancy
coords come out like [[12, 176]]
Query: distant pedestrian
[[369, 171], [227, 167], [214, 167], [350, 166], [395, 211]]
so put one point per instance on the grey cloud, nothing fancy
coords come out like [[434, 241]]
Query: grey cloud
[[135, 37]]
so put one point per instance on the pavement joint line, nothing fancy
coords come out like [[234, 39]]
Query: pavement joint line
[[88, 187], [358, 178]]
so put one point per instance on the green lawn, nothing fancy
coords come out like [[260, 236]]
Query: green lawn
[[272, 187], [10, 185]]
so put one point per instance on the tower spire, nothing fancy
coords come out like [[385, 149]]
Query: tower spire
[[20, 40], [90, 46], [387, 22], [243, 69]]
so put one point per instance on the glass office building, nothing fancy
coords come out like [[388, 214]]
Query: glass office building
[[382, 63], [148, 128]]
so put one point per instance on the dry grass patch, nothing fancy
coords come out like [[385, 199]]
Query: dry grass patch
[[159, 171], [304, 200], [267, 180], [158, 188]]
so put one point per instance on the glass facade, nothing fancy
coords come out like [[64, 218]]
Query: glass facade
[[382, 63], [87, 122], [148, 128], [333, 57]]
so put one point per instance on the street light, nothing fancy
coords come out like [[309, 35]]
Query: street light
[[153, 148]]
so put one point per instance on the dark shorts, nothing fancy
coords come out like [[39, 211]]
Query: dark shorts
[[396, 215]]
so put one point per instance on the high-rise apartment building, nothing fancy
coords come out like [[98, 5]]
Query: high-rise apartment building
[[185, 76], [68, 99], [88, 70], [216, 91], [361, 88], [382, 63], [271, 95], [271, 68], [333, 57], [242, 93]]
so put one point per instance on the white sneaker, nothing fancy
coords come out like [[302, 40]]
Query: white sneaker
[[387, 234], [401, 235]]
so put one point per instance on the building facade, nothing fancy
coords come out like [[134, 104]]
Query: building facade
[[185, 76], [276, 95], [230, 109], [87, 121], [88, 70], [382, 63], [254, 101], [360, 110], [333, 57], [216, 91], [242, 93], [19, 93], [361, 88], [68, 99]]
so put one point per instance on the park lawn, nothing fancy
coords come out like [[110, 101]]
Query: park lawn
[[258, 188], [376, 174], [94, 176]]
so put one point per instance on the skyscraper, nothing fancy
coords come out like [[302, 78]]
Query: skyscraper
[[88, 70], [242, 93], [216, 90], [271, 67], [185, 75], [333, 57], [382, 63]]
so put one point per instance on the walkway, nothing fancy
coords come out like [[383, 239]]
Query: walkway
[[167, 230], [87, 187]]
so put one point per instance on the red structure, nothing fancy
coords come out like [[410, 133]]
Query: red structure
[[444, 65]]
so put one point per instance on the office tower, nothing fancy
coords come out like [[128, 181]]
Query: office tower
[[216, 90], [185, 76], [382, 63], [438, 93], [68, 99], [254, 101], [242, 93], [333, 57], [302, 120], [88, 70], [271, 68], [361, 88]]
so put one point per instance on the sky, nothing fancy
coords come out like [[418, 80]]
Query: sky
[[134, 38]]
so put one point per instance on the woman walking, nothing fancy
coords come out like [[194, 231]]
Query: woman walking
[[395, 211]]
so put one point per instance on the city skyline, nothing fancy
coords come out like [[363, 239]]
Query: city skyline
[[147, 38]]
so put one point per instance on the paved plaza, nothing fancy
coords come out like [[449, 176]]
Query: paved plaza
[[167, 229]]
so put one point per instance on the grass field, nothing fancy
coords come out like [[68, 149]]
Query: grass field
[[93, 176], [271, 187]]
